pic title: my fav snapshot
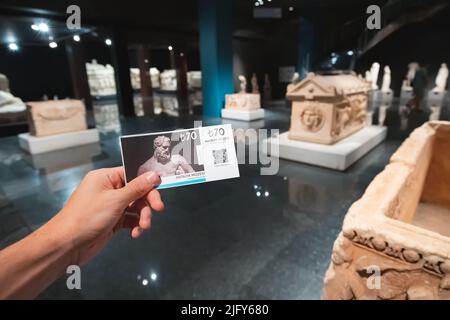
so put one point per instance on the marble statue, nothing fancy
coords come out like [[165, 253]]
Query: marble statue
[[12, 109], [327, 108], [242, 100], [374, 71], [386, 85], [255, 86], [267, 88], [154, 77], [101, 79], [242, 84], [169, 80], [441, 79], [407, 83], [135, 77], [4, 83], [56, 116], [399, 230]]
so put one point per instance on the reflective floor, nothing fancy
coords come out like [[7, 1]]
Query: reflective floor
[[216, 240]]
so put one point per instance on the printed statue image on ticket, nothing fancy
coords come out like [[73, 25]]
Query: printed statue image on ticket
[[182, 157]]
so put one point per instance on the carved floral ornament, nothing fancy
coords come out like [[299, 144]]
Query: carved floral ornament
[[429, 262]]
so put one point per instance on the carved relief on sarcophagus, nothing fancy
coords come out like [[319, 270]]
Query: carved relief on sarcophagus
[[56, 116], [327, 108], [395, 240], [243, 101]]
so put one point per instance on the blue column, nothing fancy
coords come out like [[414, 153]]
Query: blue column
[[306, 46], [215, 53]]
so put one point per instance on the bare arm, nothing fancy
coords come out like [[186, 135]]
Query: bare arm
[[100, 206]]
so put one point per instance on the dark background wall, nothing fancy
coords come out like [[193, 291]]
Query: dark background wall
[[37, 70], [424, 42]]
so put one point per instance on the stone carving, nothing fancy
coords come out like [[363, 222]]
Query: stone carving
[[386, 85], [374, 71], [267, 88], [407, 83], [154, 77], [12, 109], [4, 83], [194, 79], [255, 86], [101, 79], [135, 77], [389, 229], [441, 79], [243, 101], [169, 80], [242, 84], [56, 116], [312, 118], [327, 108]]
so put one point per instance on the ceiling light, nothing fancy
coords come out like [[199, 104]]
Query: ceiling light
[[13, 46], [170, 48], [256, 4], [50, 38], [144, 282], [258, 194], [35, 27], [153, 276], [291, 9], [266, 193], [43, 27], [76, 38], [108, 42], [53, 45], [350, 52]]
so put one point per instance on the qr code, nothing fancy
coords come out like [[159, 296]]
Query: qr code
[[220, 156]]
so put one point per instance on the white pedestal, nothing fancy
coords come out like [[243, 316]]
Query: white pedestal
[[337, 157], [35, 145], [243, 115]]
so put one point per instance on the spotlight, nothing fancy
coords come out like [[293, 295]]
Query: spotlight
[[153, 276], [266, 194], [76, 38], [170, 48], [43, 27], [35, 27], [350, 53], [258, 194], [144, 282], [108, 42], [13, 46], [53, 45], [291, 9], [256, 4]]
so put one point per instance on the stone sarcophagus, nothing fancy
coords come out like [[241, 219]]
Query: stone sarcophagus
[[327, 108], [395, 240], [47, 118], [243, 101]]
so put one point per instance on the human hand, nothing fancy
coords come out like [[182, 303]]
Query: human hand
[[102, 204]]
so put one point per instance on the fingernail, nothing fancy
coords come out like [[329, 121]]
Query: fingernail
[[153, 178]]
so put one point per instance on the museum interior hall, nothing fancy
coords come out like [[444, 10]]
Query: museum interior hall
[[337, 119]]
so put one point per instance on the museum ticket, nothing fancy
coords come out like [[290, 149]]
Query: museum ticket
[[182, 157]]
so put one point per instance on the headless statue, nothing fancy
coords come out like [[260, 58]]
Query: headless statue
[[374, 70], [386, 86], [255, 87], [441, 79]]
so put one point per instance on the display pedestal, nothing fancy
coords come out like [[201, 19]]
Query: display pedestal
[[243, 115], [338, 156], [35, 145]]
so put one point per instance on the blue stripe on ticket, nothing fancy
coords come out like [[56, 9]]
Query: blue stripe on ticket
[[181, 183]]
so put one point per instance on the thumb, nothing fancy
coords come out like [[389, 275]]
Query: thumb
[[140, 186]]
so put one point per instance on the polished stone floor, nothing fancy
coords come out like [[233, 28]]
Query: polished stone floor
[[216, 240]]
